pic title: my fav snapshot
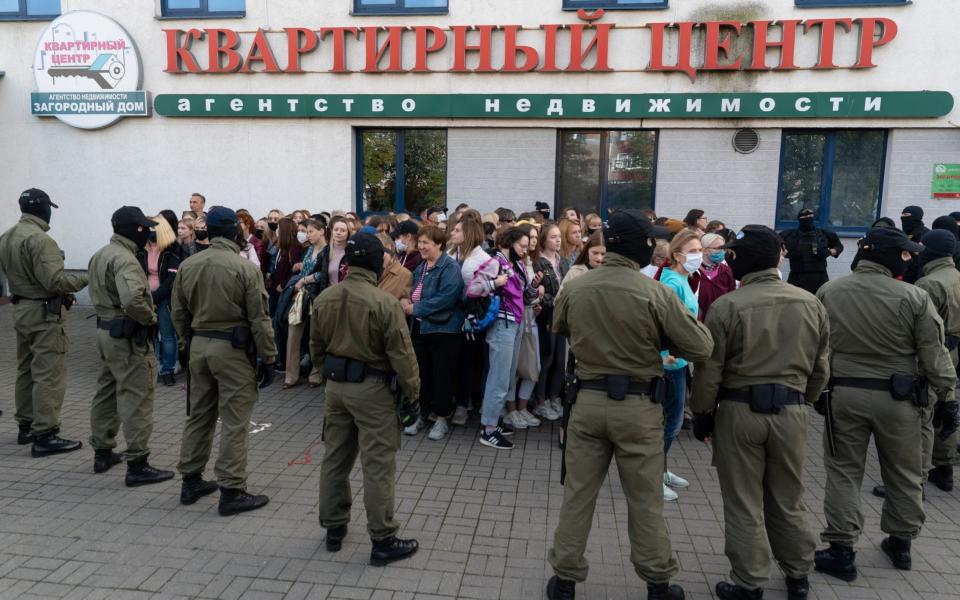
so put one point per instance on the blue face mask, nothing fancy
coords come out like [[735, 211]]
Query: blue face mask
[[717, 256]]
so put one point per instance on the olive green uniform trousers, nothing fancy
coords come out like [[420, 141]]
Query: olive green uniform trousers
[[759, 460], [896, 430], [360, 418], [125, 387], [938, 452], [41, 366], [632, 431], [224, 385]]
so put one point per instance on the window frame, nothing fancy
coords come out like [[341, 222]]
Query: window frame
[[604, 165], [826, 179], [399, 204], [843, 3], [399, 8], [612, 5], [199, 13], [21, 14]]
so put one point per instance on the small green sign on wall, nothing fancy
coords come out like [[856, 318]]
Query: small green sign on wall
[[946, 181]]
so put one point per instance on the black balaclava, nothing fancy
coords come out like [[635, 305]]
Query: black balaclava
[[627, 233], [888, 257], [956, 216], [883, 222], [946, 223], [366, 252], [202, 234], [129, 222], [913, 221], [756, 248], [807, 219]]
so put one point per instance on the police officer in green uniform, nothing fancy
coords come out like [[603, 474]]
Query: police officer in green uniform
[[887, 348], [125, 320], [941, 280], [41, 292], [219, 305], [616, 411], [358, 334], [770, 360]]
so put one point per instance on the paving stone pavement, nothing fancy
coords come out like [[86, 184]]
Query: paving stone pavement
[[484, 518]]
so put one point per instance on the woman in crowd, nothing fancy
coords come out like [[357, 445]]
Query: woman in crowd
[[309, 279], [200, 231], [396, 280], [570, 214], [467, 247], [506, 277], [716, 277], [696, 220], [593, 224], [571, 241], [187, 238], [288, 265], [269, 249], [660, 253], [334, 264], [298, 217], [590, 258], [553, 348], [528, 361], [686, 256], [253, 250], [436, 320], [405, 242], [163, 260]]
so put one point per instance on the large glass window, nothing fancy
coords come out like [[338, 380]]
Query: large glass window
[[18, 10], [600, 170], [822, 3], [613, 4], [382, 7], [203, 8], [838, 173], [417, 158]]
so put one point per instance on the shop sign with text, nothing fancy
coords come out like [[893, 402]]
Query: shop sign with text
[[946, 181], [820, 105]]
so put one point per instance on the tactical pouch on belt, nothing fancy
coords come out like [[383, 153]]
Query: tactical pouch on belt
[[921, 395], [768, 398], [617, 386], [240, 337], [903, 388], [53, 305], [142, 334], [658, 390], [122, 328], [337, 368]]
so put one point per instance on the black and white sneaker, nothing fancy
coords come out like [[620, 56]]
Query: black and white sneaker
[[495, 440], [504, 429]]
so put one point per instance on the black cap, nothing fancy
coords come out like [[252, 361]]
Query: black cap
[[364, 250], [624, 225], [885, 238], [542, 206], [757, 239], [35, 198], [883, 222], [946, 223], [126, 216], [404, 228], [806, 213], [939, 242], [221, 216]]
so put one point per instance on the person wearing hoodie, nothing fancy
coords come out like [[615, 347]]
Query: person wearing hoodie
[[912, 221], [808, 248]]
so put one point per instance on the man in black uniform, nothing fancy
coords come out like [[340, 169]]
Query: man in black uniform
[[808, 248], [912, 220]]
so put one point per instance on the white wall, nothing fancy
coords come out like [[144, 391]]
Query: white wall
[[911, 154]]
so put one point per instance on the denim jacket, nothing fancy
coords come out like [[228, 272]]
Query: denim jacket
[[441, 294]]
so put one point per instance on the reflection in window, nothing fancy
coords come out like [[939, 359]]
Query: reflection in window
[[837, 173], [29, 9], [203, 8], [380, 7], [415, 157]]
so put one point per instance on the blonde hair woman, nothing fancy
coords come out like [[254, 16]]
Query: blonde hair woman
[[163, 260]]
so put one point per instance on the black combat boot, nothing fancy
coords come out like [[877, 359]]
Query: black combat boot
[[731, 591], [391, 550], [194, 488], [139, 472], [104, 459], [50, 443], [24, 436], [664, 591], [837, 560], [898, 549], [561, 589], [798, 588], [233, 501], [335, 537], [942, 477]]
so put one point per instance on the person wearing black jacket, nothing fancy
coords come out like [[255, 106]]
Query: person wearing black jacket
[[948, 223], [164, 242], [808, 248]]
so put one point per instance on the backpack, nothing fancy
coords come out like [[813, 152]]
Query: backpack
[[481, 311]]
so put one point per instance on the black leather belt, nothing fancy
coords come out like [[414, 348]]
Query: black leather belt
[[793, 396], [600, 385], [863, 383], [103, 324]]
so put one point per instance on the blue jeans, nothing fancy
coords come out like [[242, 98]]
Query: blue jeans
[[503, 341], [673, 405], [166, 346]]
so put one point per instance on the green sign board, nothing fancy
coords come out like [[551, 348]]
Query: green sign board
[[819, 105], [946, 181], [132, 104]]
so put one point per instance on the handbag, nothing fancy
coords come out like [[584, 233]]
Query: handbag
[[528, 364], [295, 316]]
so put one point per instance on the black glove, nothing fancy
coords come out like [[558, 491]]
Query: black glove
[[946, 416], [264, 375], [408, 412], [702, 426]]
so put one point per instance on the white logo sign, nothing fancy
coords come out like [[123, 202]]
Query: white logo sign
[[88, 72]]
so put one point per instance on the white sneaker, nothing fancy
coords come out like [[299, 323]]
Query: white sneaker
[[531, 420], [544, 410], [513, 419], [557, 406], [669, 495], [675, 481], [415, 428], [439, 430], [459, 416]]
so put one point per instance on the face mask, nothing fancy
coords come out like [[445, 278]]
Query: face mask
[[202, 234], [302, 237], [806, 225], [152, 238], [693, 262], [258, 234], [717, 256], [400, 246], [273, 226]]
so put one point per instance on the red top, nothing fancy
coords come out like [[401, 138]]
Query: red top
[[714, 284], [285, 263]]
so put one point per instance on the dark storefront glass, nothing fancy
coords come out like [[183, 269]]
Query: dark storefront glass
[[415, 157]]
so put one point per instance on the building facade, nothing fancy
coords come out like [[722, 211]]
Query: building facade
[[749, 110]]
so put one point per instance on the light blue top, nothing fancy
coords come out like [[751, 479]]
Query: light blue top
[[681, 287]]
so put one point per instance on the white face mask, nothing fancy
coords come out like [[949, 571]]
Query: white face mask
[[302, 237], [693, 262], [401, 247]]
